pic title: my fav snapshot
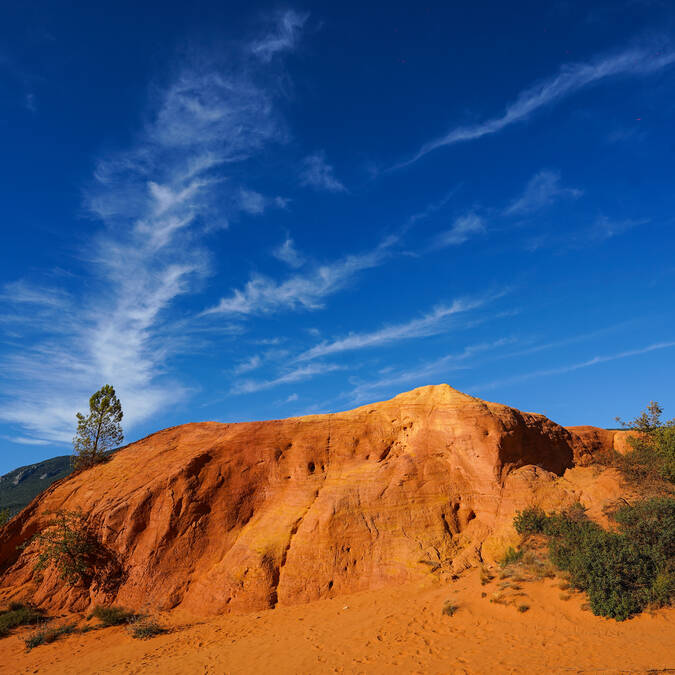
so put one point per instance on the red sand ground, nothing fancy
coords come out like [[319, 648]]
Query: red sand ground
[[397, 629]]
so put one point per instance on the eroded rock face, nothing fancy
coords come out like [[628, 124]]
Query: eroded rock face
[[589, 442], [220, 517]]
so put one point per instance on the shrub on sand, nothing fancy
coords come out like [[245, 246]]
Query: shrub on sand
[[18, 614], [622, 571], [43, 636], [143, 628], [112, 616]]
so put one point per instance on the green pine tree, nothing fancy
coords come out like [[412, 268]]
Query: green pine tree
[[100, 431]]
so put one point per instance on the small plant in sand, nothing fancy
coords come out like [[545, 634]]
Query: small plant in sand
[[498, 598], [45, 635], [143, 628], [449, 608], [112, 616], [523, 608], [511, 556], [485, 576]]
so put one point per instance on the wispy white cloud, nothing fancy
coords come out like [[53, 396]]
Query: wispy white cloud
[[251, 202], [296, 375], [252, 363], [263, 295], [571, 78], [22, 292], [462, 230], [269, 341], [254, 203], [154, 200], [545, 372], [11, 66], [430, 210], [432, 323], [624, 134], [288, 254], [318, 174], [282, 37], [31, 102], [542, 190], [425, 373], [22, 440], [602, 229], [606, 228], [582, 337]]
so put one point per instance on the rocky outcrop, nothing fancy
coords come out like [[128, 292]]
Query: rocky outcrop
[[235, 517], [591, 442]]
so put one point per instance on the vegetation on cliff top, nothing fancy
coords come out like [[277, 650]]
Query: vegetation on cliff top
[[99, 432], [653, 447]]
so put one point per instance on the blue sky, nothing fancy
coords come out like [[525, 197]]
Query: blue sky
[[233, 212]]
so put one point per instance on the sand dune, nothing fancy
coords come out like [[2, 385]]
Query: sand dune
[[397, 629]]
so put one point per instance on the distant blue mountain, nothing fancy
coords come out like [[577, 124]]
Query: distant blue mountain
[[19, 487]]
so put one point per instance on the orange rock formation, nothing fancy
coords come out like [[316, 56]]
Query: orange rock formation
[[591, 441], [236, 517]]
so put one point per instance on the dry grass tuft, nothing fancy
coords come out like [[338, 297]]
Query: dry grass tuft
[[45, 635], [143, 628]]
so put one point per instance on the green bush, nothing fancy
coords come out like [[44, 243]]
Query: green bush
[[653, 447], [18, 614], [67, 544], [449, 609], [530, 521], [622, 572], [112, 616], [143, 628], [44, 636]]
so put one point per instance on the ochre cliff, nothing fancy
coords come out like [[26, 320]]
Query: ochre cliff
[[589, 442], [236, 517]]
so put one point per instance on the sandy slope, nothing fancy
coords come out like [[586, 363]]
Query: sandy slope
[[400, 629]]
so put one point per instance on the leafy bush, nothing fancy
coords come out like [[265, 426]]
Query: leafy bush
[[653, 447], [67, 544], [112, 616], [622, 572], [44, 636], [449, 609], [143, 628], [531, 521], [16, 615]]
